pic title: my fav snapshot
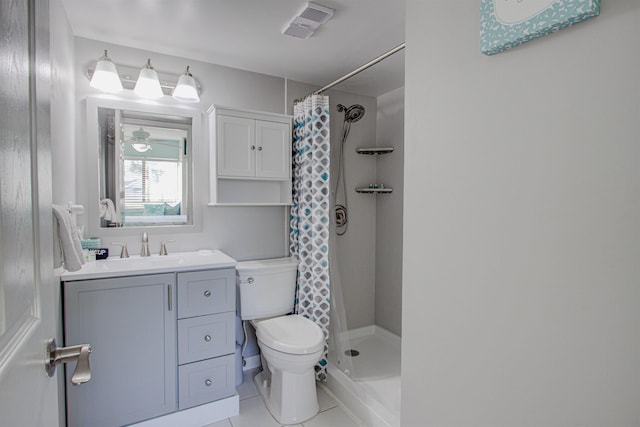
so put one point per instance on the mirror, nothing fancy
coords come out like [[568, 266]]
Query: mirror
[[144, 168], [144, 163]]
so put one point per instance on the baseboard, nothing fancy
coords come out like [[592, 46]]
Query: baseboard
[[361, 332], [373, 330], [198, 416]]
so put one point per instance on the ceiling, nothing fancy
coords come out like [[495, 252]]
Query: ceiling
[[247, 34]]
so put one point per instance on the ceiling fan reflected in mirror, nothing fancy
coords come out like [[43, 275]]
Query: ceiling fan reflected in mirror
[[140, 141]]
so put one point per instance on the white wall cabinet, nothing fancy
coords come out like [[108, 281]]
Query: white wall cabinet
[[250, 157]]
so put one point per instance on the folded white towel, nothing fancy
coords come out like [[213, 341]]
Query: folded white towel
[[67, 245], [108, 211]]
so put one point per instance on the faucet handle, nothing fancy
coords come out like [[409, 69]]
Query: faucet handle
[[144, 250], [163, 246], [124, 253]]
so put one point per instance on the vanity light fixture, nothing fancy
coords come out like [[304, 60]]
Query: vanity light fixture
[[186, 90], [148, 85], [105, 76]]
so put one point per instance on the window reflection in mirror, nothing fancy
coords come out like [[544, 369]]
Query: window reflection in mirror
[[144, 161]]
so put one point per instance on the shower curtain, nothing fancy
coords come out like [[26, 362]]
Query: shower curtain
[[309, 220]]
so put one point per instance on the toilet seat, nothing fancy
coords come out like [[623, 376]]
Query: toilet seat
[[291, 334]]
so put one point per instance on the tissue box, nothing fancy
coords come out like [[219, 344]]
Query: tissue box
[[101, 253]]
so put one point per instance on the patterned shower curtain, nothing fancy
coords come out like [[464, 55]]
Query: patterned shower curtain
[[309, 220]]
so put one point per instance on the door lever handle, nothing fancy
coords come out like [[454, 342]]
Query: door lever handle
[[80, 353]]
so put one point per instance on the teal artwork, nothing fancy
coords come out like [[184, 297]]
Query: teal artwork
[[508, 23]]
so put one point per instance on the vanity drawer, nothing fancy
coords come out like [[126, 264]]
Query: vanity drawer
[[206, 292], [206, 336], [206, 381]]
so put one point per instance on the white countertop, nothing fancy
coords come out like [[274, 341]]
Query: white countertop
[[136, 265]]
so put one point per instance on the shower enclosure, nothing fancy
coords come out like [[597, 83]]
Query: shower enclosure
[[364, 354], [365, 250]]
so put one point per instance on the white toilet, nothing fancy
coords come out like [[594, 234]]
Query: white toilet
[[290, 344]]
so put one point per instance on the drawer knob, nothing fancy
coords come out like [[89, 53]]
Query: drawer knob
[[208, 382], [207, 338], [207, 293]]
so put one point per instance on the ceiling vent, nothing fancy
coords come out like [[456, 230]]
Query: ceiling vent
[[316, 13], [307, 21]]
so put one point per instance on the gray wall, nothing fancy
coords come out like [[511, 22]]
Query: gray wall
[[390, 171], [243, 233], [522, 198], [63, 113], [260, 232]]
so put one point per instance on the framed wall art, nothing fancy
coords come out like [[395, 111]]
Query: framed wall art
[[508, 23]]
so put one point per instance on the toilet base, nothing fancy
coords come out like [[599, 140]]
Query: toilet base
[[296, 412]]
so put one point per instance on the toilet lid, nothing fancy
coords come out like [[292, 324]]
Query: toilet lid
[[292, 334]]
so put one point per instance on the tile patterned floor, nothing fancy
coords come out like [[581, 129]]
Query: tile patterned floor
[[253, 413]]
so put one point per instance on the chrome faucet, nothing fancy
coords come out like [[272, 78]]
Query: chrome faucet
[[163, 247], [124, 253], [145, 245]]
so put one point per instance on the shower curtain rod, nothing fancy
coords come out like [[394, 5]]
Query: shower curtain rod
[[358, 70]]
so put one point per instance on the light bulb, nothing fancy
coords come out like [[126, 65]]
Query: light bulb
[[186, 90], [105, 76], [148, 85]]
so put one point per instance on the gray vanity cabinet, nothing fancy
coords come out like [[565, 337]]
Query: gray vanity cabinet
[[206, 336], [130, 323]]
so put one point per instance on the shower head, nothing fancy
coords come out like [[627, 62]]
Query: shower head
[[352, 114]]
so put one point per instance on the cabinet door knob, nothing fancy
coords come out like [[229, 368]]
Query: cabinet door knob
[[259, 148], [207, 338], [253, 147], [208, 382], [207, 293]]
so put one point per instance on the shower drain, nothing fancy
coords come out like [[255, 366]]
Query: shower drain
[[352, 353]]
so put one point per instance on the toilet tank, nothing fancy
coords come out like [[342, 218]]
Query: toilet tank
[[266, 288]]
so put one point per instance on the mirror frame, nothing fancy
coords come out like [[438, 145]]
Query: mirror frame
[[93, 167]]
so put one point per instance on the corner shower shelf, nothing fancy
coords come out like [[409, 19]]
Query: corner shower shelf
[[374, 150], [368, 190]]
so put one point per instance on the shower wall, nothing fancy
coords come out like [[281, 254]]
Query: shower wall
[[358, 261], [356, 249], [390, 171]]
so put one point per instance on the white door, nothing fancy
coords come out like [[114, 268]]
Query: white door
[[273, 145], [28, 397]]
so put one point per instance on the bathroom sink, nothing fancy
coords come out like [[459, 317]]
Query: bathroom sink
[[181, 261]]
